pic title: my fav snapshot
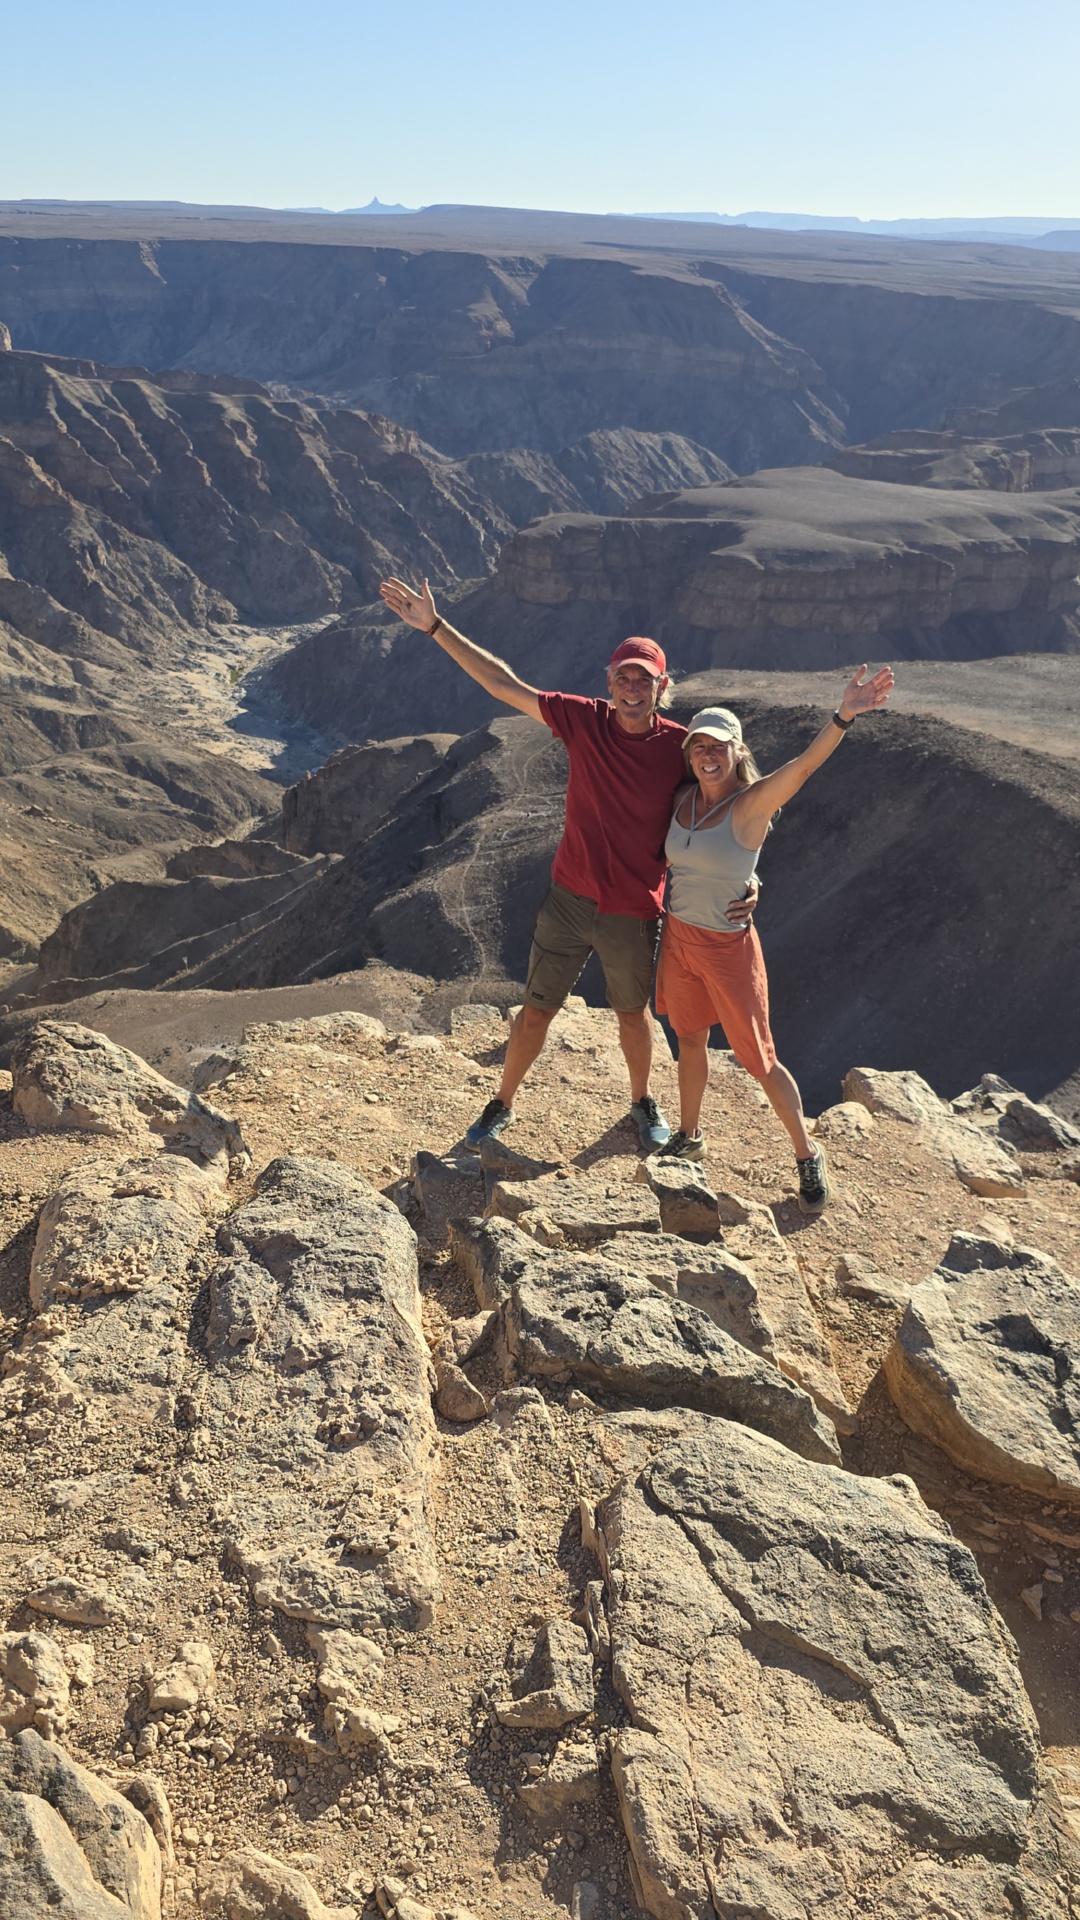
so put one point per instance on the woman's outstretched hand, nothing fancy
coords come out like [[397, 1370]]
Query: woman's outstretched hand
[[861, 696], [417, 608]]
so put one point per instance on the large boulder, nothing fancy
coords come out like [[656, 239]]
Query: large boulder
[[983, 1364], [69, 1845], [68, 1077], [318, 1400], [602, 1321], [826, 1717], [983, 1163]]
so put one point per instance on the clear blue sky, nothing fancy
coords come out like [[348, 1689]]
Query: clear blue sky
[[930, 107]]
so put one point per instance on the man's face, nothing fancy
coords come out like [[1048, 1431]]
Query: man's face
[[634, 693]]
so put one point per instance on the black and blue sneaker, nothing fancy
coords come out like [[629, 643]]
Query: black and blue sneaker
[[813, 1182], [492, 1122], [653, 1129]]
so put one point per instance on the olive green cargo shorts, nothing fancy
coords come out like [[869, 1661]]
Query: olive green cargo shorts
[[568, 929]]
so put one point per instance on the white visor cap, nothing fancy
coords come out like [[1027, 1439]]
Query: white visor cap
[[719, 722]]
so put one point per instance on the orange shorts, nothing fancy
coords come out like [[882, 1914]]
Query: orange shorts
[[707, 979]]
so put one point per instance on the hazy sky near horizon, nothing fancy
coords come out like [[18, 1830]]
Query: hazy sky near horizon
[[943, 107]]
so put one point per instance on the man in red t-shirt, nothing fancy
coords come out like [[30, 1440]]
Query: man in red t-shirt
[[626, 762]]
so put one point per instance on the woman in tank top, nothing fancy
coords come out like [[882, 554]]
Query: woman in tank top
[[712, 973]]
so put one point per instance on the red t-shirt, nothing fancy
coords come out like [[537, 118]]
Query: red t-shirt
[[618, 804]]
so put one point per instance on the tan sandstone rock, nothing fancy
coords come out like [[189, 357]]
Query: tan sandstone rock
[[984, 1164], [69, 1844], [983, 1364], [826, 1713], [67, 1076]]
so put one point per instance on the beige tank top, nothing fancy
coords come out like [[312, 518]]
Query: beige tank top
[[708, 869]]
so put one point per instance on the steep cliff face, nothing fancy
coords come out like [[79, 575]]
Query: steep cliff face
[[473, 352], [538, 342]]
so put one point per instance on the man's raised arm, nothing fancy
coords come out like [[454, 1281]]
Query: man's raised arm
[[496, 678]]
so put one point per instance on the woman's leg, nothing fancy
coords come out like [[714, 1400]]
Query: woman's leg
[[693, 1077], [786, 1102]]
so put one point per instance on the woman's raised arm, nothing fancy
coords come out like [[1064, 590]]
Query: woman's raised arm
[[755, 807]]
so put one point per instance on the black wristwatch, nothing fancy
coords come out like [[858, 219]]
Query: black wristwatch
[[843, 724]]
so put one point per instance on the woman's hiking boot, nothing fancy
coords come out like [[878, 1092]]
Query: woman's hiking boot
[[492, 1122], [652, 1128], [813, 1182], [683, 1146]]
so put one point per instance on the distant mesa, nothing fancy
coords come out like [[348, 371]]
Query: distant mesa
[[376, 206]]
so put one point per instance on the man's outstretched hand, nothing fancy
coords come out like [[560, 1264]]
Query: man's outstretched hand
[[417, 608]]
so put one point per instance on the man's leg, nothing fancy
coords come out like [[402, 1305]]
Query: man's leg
[[627, 949], [561, 945], [636, 1041], [527, 1036]]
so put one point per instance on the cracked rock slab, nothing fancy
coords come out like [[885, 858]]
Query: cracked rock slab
[[984, 1364], [318, 1401], [69, 1845], [109, 1285], [800, 1345], [583, 1209], [983, 1163], [579, 1316], [827, 1719], [708, 1277], [686, 1200]]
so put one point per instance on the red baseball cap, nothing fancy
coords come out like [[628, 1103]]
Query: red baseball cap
[[645, 652]]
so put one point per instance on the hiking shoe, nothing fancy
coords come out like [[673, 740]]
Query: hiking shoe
[[813, 1182], [683, 1146], [653, 1129], [494, 1120]]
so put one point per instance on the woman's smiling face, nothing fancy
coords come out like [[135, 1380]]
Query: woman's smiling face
[[712, 759]]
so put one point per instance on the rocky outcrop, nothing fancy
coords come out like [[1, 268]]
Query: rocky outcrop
[[67, 1076], [982, 1364], [250, 1885], [601, 1321], [983, 1164], [800, 567], [316, 1284], [69, 1844], [333, 810], [825, 1710]]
